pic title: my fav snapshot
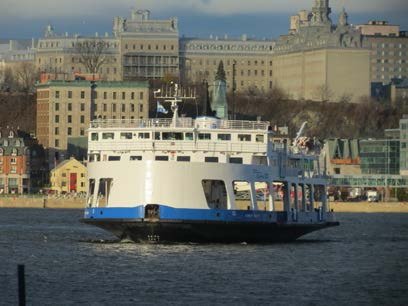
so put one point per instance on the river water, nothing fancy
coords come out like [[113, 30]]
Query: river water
[[362, 262]]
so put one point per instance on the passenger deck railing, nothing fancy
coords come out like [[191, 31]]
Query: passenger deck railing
[[181, 123]]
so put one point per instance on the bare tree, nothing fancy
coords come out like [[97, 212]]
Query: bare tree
[[8, 80], [323, 93], [26, 74], [92, 53]]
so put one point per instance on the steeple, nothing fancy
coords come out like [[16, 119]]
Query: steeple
[[343, 18], [321, 12]]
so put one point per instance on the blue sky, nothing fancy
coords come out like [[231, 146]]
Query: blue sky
[[256, 18]]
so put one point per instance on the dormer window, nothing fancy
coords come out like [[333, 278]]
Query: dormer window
[[14, 152], [11, 134]]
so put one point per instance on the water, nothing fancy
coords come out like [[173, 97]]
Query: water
[[362, 262]]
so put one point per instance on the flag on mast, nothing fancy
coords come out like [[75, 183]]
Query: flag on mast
[[161, 108]]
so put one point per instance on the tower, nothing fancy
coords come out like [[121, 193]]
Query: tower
[[321, 12]]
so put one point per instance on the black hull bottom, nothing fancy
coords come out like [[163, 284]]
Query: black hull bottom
[[146, 231]]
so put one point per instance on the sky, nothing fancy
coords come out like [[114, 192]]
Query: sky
[[199, 18]]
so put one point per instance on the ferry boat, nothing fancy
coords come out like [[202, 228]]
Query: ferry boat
[[201, 180]]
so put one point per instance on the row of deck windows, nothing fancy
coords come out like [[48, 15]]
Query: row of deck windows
[[207, 159], [177, 136]]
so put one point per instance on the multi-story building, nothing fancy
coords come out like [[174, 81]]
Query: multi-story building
[[62, 55], [380, 156], [69, 176], [389, 51], [403, 127], [14, 163], [66, 108]]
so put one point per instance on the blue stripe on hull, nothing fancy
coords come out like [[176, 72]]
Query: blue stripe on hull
[[169, 213]]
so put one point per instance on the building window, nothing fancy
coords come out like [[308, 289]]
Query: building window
[[57, 94], [141, 108], [82, 119], [183, 158], [123, 95], [132, 96], [82, 107], [114, 107], [69, 131], [13, 169], [105, 106], [82, 132], [82, 94], [56, 119], [114, 96], [57, 143], [69, 119], [132, 107], [105, 95], [13, 161], [211, 159], [56, 107], [69, 94], [56, 131], [69, 107], [141, 96], [123, 107]]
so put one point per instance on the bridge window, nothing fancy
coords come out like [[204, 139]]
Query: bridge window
[[183, 158], [215, 194], [188, 136], [144, 136], [244, 137], [204, 136], [125, 135], [157, 136], [259, 138], [224, 137], [94, 137], [172, 136], [211, 159], [134, 158], [162, 158], [113, 158], [108, 135]]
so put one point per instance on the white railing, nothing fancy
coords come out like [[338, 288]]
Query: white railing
[[181, 123]]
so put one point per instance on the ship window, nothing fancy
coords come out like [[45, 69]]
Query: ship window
[[113, 158], [125, 135], [172, 136], [189, 136], [224, 137], [242, 193], [244, 137], [157, 136], [105, 187], [215, 194], [163, 158], [235, 160], [107, 135], [94, 136], [133, 158], [259, 138], [211, 159], [144, 136], [91, 191], [183, 158], [204, 136], [262, 196]]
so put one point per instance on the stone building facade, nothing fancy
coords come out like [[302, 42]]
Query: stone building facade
[[14, 163], [317, 59], [66, 108]]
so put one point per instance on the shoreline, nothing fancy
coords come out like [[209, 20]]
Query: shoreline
[[79, 203]]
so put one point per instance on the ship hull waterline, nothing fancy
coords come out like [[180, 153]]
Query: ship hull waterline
[[187, 231]]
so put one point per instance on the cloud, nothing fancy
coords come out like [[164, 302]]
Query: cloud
[[45, 9]]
